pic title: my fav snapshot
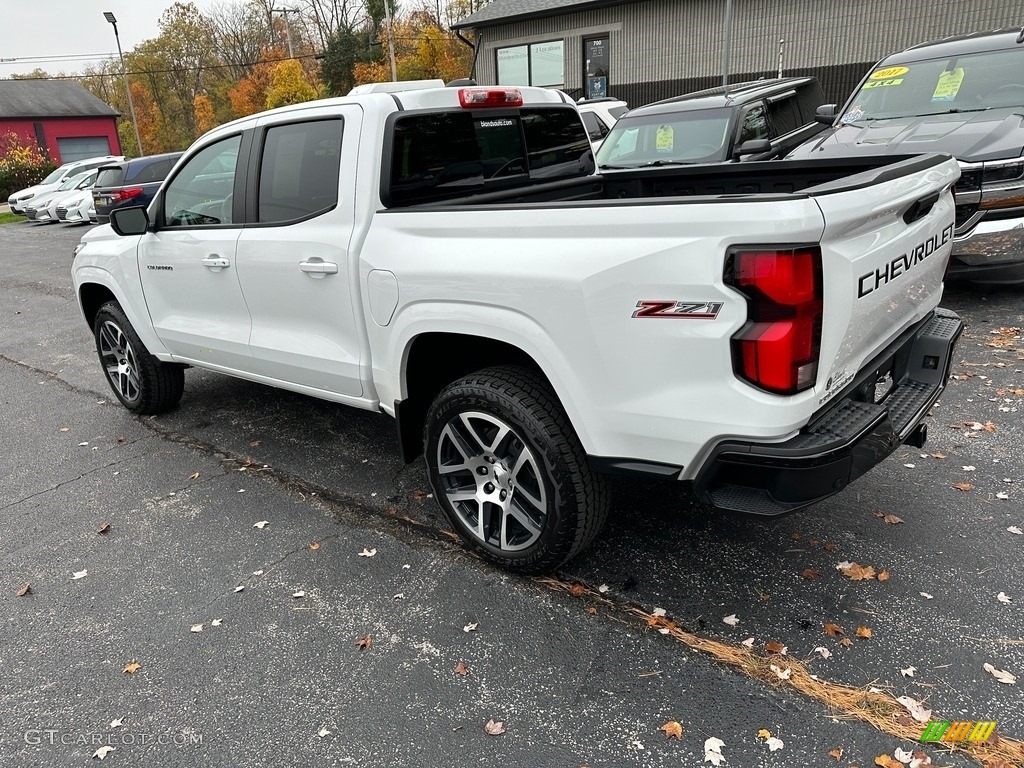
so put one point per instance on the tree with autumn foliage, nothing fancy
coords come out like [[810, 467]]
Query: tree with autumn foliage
[[288, 85]]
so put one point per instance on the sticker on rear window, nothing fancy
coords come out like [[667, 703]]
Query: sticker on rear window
[[664, 139], [949, 85]]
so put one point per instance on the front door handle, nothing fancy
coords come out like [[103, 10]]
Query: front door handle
[[318, 267], [215, 262]]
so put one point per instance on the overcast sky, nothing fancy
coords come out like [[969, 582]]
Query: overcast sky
[[51, 29]]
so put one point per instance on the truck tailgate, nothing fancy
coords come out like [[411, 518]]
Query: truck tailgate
[[886, 243]]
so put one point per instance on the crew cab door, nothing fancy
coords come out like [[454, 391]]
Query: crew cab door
[[297, 272], [187, 265]]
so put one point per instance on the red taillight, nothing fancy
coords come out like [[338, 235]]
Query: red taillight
[[472, 98], [778, 348], [126, 194]]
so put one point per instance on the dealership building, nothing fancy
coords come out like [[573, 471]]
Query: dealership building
[[645, 50]]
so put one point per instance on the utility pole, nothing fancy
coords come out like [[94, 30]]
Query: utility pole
[[287, 28], [726, 49], [124, 75], [391, 39]]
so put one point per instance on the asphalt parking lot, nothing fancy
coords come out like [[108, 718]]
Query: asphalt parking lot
[[578, 676]]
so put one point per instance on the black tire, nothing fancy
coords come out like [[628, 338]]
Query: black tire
[[467, 416], [141, 382]]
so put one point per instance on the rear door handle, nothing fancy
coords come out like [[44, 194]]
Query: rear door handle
[[215, 262], [318, 268]]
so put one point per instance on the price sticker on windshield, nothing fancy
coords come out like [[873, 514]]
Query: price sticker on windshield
[[888, 73], [664, 138], [949, 85]]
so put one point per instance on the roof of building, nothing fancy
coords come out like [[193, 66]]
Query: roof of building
[[49, 98], [506, 11]]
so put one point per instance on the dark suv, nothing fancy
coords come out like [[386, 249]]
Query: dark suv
[[130, 182], [759, 120], [963, 96]]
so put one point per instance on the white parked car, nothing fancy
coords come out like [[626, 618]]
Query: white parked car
[[47, 212], [599, 115], [18, 200], [76, 208]]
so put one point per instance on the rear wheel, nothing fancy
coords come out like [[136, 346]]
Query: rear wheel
[[141, 382], [509, 472]]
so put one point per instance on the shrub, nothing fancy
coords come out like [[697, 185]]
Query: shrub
[[21, 165]]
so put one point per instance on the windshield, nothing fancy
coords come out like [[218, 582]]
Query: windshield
[[966, 83], [695, 136], [71, 182], [53, 177]]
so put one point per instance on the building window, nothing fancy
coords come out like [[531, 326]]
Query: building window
[[595, 67], [541, 64]]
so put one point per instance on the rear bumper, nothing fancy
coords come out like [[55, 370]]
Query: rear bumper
[[843, 441]]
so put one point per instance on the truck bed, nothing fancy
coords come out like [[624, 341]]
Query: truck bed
[[777, 179]]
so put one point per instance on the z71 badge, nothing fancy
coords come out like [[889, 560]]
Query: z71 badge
[[679, 310]]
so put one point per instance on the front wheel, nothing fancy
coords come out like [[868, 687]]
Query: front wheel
[[509, 472], [141, 382]]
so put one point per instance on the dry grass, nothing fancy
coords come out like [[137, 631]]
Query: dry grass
[[879, 710]]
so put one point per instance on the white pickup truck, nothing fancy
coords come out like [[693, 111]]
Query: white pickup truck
[[766, 332]]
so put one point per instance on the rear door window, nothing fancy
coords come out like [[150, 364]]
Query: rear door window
[[442, 155], [783, 114], [595, 126], [300, 170]]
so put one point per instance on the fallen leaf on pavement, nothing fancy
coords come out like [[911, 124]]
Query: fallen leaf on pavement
[[603, 588], [960, 487], [908, 672], [64, 429], [103, 751], [494, 728], [916, 709], [104, 527], [79, 574], [117, 723], [1002, 495], [660, 612], [773, 744], [1002, 597], [461, 669], [1015, 530], [822, 651], [368, 552], [1000, 675], [782, 674], [323, 731], [255, 443], [938, 455], [919, 758], [239, 588], [196, 628], [314, 545], [82, 445], [926, 596], [363, 643], [577, 589], [300, 594], [831, 546], [846, 642], [749, 642], [471, 627], [810, 573], [836, 753], [731, 620], [857, 572], [903, 755], [261, 524], [863, 632], [26, 590], [834, 630], [419, 495], [773, 646], [194, 476], [713, 751], [672, 729], [892, 520], [216, 622], [887, 761], [883, 575], [132, 668], [764, 733]]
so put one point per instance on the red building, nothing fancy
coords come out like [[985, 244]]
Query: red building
[[61, 117]]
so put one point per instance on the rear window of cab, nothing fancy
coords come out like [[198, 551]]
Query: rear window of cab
[[439, 156]]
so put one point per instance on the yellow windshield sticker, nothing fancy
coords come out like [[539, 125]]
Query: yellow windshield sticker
[[949, 85], [888, 73], [881, 83], [664, 138]]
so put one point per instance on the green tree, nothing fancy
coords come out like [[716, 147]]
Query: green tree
[[288, 85]]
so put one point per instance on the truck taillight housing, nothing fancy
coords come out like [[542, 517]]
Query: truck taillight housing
[[472, 98], [777, 349]]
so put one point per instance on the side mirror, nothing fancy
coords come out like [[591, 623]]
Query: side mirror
[[825, 114], [130, 221], [753, 147]]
